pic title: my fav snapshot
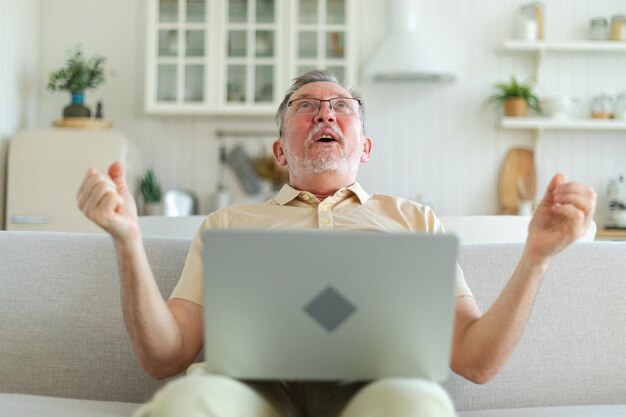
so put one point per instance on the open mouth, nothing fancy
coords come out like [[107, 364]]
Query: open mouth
[[326, 139]]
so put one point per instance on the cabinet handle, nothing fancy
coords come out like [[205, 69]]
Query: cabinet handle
[[22, 219]]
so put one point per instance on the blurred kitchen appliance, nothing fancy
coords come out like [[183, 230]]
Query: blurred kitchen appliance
[[222, 197], [406, 53], [45, 169], [616, 196], [239, 162], [178, 202]]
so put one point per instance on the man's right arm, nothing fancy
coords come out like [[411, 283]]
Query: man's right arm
[[166, 336]]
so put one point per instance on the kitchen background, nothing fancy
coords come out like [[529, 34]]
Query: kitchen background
[[432, 142]]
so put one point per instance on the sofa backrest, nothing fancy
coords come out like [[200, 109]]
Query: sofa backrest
[[573, 351], [61, 326]]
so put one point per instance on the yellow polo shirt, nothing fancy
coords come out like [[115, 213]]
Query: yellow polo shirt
[[349, 208]]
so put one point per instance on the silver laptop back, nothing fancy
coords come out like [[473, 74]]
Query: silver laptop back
[[328, 306]]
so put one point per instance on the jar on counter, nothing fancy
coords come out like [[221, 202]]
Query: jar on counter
[[618, 27], [620, 106], [599, 29], [602, 106]]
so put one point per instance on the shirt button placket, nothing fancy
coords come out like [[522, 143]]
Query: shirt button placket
[[325, 216]]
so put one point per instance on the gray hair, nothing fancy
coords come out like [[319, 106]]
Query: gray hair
[[313, 77]]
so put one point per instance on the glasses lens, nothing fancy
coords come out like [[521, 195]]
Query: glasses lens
[[306, 106], [343, 105]]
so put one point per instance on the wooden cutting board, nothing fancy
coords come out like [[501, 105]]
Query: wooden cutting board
[[517, 179]]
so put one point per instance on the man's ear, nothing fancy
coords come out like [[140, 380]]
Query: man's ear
[[367, 149], [278, 147]]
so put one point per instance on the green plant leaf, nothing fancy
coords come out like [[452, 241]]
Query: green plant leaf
[[513, 89], [150, 188], [78, 74]]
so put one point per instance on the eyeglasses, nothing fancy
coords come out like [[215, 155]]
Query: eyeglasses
[[310, 106]]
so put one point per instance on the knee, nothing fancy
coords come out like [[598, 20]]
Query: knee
[[199, 395], [397, 397]]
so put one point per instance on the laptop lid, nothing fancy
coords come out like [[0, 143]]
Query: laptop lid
[[318, 305]]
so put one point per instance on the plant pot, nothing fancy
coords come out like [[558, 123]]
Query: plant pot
[[152, 209], [515, 107], [76, 108]]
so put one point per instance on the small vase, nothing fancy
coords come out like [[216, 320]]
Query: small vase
[[152, 209], [515, 107], [76, 108]]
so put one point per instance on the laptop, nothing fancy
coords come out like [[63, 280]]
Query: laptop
[[317, 305]]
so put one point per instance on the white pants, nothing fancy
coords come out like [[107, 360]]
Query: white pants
[[202, 395]]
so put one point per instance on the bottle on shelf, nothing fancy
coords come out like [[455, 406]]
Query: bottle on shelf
[[618, 27], [526, 23], [599, 29], [620, 106], [602, 106]]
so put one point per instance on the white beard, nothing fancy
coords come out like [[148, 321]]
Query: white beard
[[345, 163]]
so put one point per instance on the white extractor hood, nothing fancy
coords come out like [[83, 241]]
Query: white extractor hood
[[405, 54]]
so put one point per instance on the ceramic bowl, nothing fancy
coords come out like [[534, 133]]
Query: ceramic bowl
[[558, 106]]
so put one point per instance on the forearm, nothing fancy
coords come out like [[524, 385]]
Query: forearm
[[153, 329], [490, 340]]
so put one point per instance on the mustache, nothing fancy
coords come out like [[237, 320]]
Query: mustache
[[320, 126]]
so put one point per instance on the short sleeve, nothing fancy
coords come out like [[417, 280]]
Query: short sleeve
[[189, 286], [461, 287]]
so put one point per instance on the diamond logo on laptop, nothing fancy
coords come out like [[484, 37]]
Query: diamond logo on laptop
[[330, 309]]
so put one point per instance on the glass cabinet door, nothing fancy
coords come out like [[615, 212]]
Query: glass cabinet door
[[321, 37], [181, 51], [238, 56], [251, 52]]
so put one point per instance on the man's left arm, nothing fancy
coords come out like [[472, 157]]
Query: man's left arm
[[483, 343]]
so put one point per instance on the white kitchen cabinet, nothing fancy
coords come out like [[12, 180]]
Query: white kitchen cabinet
[[540, 51], [238, 56], [323, 34], [178, 56]]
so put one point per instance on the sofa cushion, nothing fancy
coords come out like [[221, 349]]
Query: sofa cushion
[[60, 316], [39, 406], [573, 411], [572, 351]]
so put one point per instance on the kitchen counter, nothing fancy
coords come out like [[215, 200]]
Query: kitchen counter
[[611, 234]]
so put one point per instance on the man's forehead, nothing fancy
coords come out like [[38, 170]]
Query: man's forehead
[[320, 89]]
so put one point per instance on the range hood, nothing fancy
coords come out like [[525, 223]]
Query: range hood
[[405, 54]]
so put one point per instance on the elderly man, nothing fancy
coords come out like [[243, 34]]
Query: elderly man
[[322, 143]]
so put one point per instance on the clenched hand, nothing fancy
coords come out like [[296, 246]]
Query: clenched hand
[[562, 217], [106, 200]]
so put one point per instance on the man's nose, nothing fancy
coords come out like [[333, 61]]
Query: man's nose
[[326, 113]]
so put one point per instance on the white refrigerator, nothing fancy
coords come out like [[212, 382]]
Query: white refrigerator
[[45, 169]]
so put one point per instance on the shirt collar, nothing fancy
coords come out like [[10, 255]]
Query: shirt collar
[[288, 193]]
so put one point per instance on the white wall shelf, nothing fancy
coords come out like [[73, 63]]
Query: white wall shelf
[[564, 46], [545, 123]]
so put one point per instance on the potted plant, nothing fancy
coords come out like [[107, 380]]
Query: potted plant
[[515, 97], [150, 194], [78, 74]]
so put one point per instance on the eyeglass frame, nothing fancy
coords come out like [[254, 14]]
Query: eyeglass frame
[[330, 104]]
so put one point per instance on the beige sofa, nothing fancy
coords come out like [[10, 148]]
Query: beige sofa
[[64, 350]]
